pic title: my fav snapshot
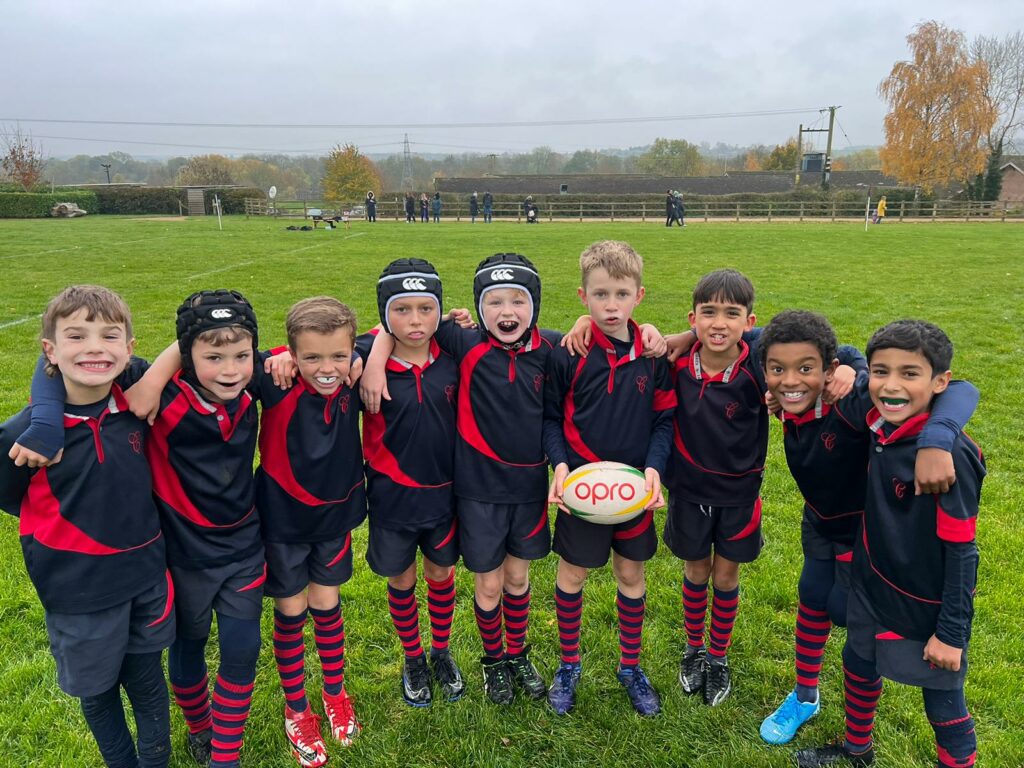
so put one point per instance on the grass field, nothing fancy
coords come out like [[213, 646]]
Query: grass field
[[968, 278]]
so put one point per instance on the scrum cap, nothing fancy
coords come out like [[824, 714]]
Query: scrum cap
[[403, 278], [208, 310], [507, 270]]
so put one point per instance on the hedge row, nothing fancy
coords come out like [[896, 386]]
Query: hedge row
[[30, 205], [232, 200], [139, 200]]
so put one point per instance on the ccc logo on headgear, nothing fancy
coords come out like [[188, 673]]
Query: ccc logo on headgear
[[414, 284], [501, 274], [221, 314]]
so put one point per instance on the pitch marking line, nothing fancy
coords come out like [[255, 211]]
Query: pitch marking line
[[78, 247], [222, 269], [13, 323]]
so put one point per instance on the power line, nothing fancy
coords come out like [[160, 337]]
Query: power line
[[377, 126], [208, 146]]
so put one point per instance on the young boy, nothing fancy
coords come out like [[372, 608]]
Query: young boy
[[201, 450], [310, 496], [915, 561], [500, 467], [615, 406], [721, 441], [827, 452], [90, 532], [409, 446]]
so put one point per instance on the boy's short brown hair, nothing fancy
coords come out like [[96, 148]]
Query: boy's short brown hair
[[320, 314], [617, 258], [96, 300]]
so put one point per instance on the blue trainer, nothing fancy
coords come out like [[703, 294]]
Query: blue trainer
[[782, 724], [562, 693], [642, 695]]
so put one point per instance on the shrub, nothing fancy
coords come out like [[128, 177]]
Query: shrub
[[231, 200], [139, 200], [30, 205]]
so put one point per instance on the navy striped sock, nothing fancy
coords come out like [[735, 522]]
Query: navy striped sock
[[290, 655]]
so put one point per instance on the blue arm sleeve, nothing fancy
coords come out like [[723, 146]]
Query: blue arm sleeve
[[851, 356], [660, 447], [950, 413], [961, 576], [45, 435]]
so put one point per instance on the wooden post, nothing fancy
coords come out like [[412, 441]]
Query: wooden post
[[903, 205], [801, 211], [769, 213], [834, 210], [551, 211], [643, 211], [968, 216], [705, 212], [935, 209], [737, 211], [1006, 204]]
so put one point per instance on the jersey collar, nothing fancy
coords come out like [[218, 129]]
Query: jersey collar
[[820, 410], [887, 434], [724, 376], [599, 339]]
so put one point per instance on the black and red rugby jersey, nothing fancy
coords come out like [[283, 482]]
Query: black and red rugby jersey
[[309, 484], [201, 454], [90, 532], [721, 431], [899, 559], [410, 443], [499, 456], [612, 405], [827, 452]]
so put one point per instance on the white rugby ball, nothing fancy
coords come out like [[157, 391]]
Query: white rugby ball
[[605, 492]]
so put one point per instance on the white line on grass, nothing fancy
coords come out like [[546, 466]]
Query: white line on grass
[[28, 319], [222, 269], [78, 247], [355, 234]]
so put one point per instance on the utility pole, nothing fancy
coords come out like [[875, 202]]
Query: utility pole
[[106, 167], [492, 158], [826, 170], [407, 181]]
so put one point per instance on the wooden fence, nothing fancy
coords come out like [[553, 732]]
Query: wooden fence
[[641, 211]]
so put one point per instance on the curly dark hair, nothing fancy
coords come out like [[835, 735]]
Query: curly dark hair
[[794, 326]]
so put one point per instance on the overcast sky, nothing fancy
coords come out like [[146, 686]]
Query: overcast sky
[[401, 64]]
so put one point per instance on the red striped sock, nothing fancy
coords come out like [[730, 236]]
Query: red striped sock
[[231, 702], [861, 704], [812, 630], [631, 625], [569, 613], [194, 701], [723, 617], [489, 624], [516, 609], [441, 607], [290, 655], [405, 615], [329, 632], [695, 610]]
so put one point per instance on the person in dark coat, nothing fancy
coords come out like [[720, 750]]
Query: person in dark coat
[[371, 207], [474, 208], [424, 207], [488, 207], [671, 211], [530, 210], [435, 206], [680, 209], [410, 208]]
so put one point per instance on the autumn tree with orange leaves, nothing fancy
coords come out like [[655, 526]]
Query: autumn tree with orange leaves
[[938, 117], [348, 174]]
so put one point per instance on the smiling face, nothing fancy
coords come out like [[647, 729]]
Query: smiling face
[[223, 370], [611, 301], [90, 354], [720, 325], [323, 359], [902, 383], [412, 320], [796, 376], [506, 313]]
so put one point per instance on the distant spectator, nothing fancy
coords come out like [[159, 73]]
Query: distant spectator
[[671, 210], [474, 208], [424, 207], [435, 206], [488, 207], [371, 207], [680, 208], [410, 208], [530, 210], [879, 216]]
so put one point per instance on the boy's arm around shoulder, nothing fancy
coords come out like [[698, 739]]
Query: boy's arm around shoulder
[[43, 438], [14, 478], [144, 396], [934, 471]]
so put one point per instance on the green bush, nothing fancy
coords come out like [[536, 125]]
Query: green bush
[[30, 205], [139, 200], [231, 200]]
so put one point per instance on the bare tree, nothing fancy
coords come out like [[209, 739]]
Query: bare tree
[[22, 159], [1005, 61]]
